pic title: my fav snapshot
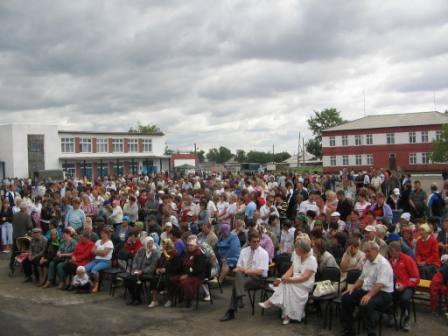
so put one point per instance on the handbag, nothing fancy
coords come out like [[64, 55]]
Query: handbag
[[324, 288]]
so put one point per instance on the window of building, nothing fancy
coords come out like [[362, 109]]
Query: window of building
[[390, 138], [370, 159], [358, 140], [85, 145], [344, 140], [369, 139], [425, 137], [102, 169], [86, 170], [412, 158], [438, 135], [132, 145], [67, 145], [69, 169], [412, 137], [117, 145], [147, 145], [333, 161], [101, 145], [345, 160], [133, 167], [358, 160], [117, 169], [425, 157], [332, 141]]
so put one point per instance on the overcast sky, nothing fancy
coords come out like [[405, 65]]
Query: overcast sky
[[244, 74]]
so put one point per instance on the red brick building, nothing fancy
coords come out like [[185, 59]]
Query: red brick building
[[384, 141]]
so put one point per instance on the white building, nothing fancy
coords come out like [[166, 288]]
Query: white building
[[27, 149]]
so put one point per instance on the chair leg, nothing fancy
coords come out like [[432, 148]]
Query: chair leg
[[330, 322], [210, 293], [219, 285], [413, 310], [380, 325]]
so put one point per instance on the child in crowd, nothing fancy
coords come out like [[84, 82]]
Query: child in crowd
[[81, 282]]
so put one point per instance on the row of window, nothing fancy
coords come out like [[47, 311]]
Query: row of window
[[87, 169], [358, 160], [102, 145], [390, 138], [413, 159]]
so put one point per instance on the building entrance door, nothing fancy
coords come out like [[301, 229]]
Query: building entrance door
[[392, 161]]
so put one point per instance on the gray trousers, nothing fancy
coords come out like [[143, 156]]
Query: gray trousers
[[240, 285]]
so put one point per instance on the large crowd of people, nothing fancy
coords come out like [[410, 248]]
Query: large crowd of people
[[173, 231]]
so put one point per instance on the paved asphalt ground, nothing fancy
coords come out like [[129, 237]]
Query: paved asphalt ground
[[28, 310]]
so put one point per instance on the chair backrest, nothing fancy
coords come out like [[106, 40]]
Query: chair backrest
[[282, 263], [330, 273], [333, 274], [352, 276]]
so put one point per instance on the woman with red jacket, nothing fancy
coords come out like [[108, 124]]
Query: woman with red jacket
[[81, 256], [427, 253], [406, 279]]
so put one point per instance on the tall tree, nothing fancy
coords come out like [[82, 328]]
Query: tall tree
[[201, 155], [145, 129], [327, 118], [220, 155], [240, 156], [440, 147], [314, 147], [265, 157]]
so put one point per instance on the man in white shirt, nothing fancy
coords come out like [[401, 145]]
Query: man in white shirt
[[372, 291], [310, 204], [252, 267]]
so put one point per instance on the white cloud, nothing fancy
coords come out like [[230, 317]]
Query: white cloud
[[244, 74]]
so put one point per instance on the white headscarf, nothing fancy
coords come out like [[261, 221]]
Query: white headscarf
[[145, 244]]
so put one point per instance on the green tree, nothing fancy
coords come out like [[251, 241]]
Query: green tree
[[440, 147], [327, 118], [240, 156], [220, 155], [201, 155], [314, 147], [145, 129], [265, 157], [282, 156]]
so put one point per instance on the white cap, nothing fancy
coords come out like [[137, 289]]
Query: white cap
[[406, 216], [370, 228], [335, 214], [396, 191]]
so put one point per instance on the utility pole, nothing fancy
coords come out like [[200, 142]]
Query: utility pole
[[298, 152], [303, 151], [273, 154], [195, 148]]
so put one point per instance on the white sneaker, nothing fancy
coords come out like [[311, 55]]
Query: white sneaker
[[153, 304], [285, 321], [207, 298], [167, 304]]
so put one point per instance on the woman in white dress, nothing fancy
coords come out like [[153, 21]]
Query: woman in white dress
[[292, 293]]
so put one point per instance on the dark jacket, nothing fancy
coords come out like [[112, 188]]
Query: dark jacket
[[21, 224], [344, 207], [194, 264], [146, 265]]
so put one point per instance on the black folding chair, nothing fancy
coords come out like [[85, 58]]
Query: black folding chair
[[332, 274]]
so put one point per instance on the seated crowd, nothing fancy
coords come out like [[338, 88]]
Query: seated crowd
[[169, 234]]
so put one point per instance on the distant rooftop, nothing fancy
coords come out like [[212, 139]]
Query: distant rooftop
[[109, 133], [394, 120]]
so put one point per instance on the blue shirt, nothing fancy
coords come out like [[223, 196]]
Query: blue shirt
[[250, 210]]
